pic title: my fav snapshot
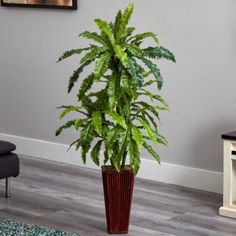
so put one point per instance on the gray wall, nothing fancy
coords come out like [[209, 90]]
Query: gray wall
[[200, 88]]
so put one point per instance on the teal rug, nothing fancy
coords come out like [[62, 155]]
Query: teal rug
[[15, 228]]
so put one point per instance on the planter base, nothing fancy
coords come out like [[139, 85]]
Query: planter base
[[118, 191]]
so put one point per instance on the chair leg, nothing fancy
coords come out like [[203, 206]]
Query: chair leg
[[7, 190]]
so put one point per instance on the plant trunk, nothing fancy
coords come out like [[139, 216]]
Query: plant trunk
[[118, 191]]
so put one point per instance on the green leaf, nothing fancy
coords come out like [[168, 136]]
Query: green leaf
[[110, 139], [161, 139], [145, 113], [75, 76], [78, 145], [115, 158], [148, 107], [95, 37], [111, 90], [117, 119], [134, 156], [77, 141], [155, 71], [120, 149], [86, 138], [137, 136], [95, 152], [136, 71], [106, 29], [134, 50], [88, 104], [117, 23], [150, 132], [67, 125], [68, 109], [106, 157], [97, 122], [149, 83], [121, 55], [125, 20], [152, 152], [153, 96], [159, 52], [93, 54], [137, 39], [102, 66], [85, 86], [79, 123], [127, 34], [123, 143], [102, 101], [72, 52], [153, 135]]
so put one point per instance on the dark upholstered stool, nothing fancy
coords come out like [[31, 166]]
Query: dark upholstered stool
[[9, 163]]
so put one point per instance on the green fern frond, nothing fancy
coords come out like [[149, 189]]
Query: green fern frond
[[152, 152], [97, 122], [85, 86], [128, 33], [95, 152], [88, 104], [134, 156], [148, 107], [137, 136], [86, 138], [155, 71], [72, 52], [121, 55], [125, 20], [158, 53], [117, 119], [75, 76], [102, 66], [137, 39], [134, 50], [136, 71], [111, 91], [67, 125], [106, 29], [153, 122], [68, 109], [153, 96], [149, 83], [95, 37], [117, 23], [150, 132], [93, 54]]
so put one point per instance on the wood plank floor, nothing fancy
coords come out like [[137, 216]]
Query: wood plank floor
[[71, 198]]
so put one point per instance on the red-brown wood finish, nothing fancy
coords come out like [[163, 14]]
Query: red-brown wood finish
[[118, 191]]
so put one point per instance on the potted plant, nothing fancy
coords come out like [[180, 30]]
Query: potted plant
[[115, 118]]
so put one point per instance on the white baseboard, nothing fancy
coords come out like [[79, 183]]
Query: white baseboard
[[168, 173]]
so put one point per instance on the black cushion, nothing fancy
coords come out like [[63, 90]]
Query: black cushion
[[6, 147], [9, 166]]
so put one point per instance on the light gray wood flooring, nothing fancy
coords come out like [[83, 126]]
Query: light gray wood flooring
[[71, 198]]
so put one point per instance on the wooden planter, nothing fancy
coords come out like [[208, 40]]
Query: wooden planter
[[118, 191]]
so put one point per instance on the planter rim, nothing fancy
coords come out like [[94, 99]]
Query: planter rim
[[106, 169]]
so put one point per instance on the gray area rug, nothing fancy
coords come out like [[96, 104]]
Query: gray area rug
[[16, 228]]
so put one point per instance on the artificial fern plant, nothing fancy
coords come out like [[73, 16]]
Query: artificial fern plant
[[117, 119]]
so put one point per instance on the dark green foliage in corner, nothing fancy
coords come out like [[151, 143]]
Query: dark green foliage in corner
[[115, 117]]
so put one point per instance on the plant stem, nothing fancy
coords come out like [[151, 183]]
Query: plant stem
[[112, 163], [124, 159]]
